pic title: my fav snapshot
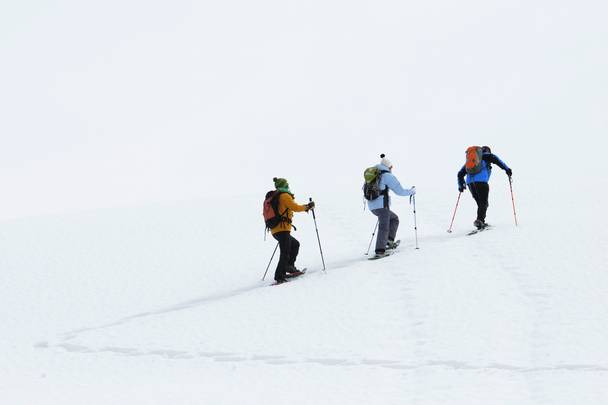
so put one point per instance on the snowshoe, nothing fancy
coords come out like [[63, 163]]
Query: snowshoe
[[483, 228], [392, 245], [295, 273], [380, 255]]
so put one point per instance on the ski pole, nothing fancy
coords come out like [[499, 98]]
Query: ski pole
[[413, 198], [314, 217], [272, 257], [373, 234], [512, 199], [454, 216]]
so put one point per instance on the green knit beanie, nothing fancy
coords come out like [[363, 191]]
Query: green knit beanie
[[280, 183]]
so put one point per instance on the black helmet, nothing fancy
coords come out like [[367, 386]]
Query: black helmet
[[486, 149]]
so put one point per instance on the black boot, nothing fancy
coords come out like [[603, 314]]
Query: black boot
[[292, 269]]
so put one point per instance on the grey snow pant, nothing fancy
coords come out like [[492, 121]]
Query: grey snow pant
[[388, 223]]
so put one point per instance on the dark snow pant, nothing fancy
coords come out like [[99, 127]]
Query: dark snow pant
[[480, 192], [289, 247], [388, 222]]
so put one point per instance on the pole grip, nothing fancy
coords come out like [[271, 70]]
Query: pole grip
[[312, 209]]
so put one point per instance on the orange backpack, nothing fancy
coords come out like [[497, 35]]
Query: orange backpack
[[473, 163]]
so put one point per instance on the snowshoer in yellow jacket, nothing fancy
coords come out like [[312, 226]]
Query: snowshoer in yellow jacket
[[288, 245]]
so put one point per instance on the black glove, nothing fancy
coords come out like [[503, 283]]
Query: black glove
[[509, 172], [462, 187], [310, 206]]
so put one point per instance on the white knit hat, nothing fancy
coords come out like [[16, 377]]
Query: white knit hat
[[385, 161]]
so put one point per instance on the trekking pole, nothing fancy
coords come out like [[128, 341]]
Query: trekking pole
[[413, 198], [454, 216], [370, 241], [272, 257], [314, 217], [512, 199]]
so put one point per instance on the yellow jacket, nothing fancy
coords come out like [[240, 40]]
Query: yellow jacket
[[286, 202]]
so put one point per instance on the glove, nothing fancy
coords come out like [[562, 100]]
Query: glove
[[462, 187], [413, 190], [310, 206], [509, 172]]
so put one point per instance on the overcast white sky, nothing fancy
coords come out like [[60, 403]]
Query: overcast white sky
[[105, 103]]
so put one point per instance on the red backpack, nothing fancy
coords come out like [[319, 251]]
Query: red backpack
[[474, 157], [270, 210]]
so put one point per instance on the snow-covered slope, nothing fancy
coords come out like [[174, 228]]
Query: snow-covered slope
[[164, 304], [141, 104]]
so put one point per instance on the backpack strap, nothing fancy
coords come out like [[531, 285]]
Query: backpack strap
[[385, 191], [283, 216]]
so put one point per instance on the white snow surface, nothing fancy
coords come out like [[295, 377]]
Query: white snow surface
[[165, 304], [137, 139]]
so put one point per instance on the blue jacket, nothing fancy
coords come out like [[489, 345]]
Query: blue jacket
[[486, 170], [388, 180]]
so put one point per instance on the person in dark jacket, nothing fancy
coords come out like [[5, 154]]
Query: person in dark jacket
[[478, 183]]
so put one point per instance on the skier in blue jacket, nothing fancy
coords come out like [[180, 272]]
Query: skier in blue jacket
[[478, 183], [388, 221]]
